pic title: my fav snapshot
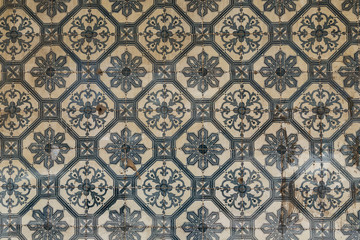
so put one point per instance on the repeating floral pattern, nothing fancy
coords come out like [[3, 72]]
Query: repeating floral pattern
[[45, 144], [242, 189], [18, 34], [321, 110], [282, 225], [124, 223], [126, 7], [203, 223], [242, 110], [203, 72], [281, 150], [48, 224], [51, 7], [164, 110], [322, 190], [350, 71], [125, 146], [319, 33], [18, 109], [126, 71], [164, 188], [179, 119], [203, 149], [50, 71], [80, 109], [86, 186], [280, 71]]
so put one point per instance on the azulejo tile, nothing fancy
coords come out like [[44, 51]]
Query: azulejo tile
[[127, 11], [202, 11], [241, 110], [164, 109], [19, 109], [50, 71], [80, 110], [89, 32], [282, 150], [322, 190], [203, 219], [346, 149], [49, 148], [86, 187], [321, 110], [241, 33], [281, 71], [202, 149], [242, 188], [282, 220], [346, 71], [48, 215], [125, 143], [18, 186], [51, 11], [19, 34], [203, 72], [126, 72], [319, 33], [179, 119], [163, 187], [125, 219], [284, 10], [164, 34]]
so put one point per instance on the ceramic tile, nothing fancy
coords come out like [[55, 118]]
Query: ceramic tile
[[179, 119]]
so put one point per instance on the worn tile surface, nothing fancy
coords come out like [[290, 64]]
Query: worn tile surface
[[180, 119]]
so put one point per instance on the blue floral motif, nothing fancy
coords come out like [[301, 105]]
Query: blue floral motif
[[86, 186], [281, 149], [203, 225], [164, 187], [321, 110], [125, 146], [282, 226], [347, 5], [50, 72], [164, 109], [203, 149], [126, 7], [17, 109], [202, 72], [321, 190], [279, 6], [19, 34], [351, 71], [125, 224], [164, 34], [280, 72], [126, 71], [351, 229], [202, 7], [319, 38], [52, 7], [46, 145], [242, 110], [15, 186], [241, 33], [48, 224], [89, 34], [352, 149], [82, 110], [242, 189]]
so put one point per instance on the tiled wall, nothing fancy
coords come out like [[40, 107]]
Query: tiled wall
[[180, 119]]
